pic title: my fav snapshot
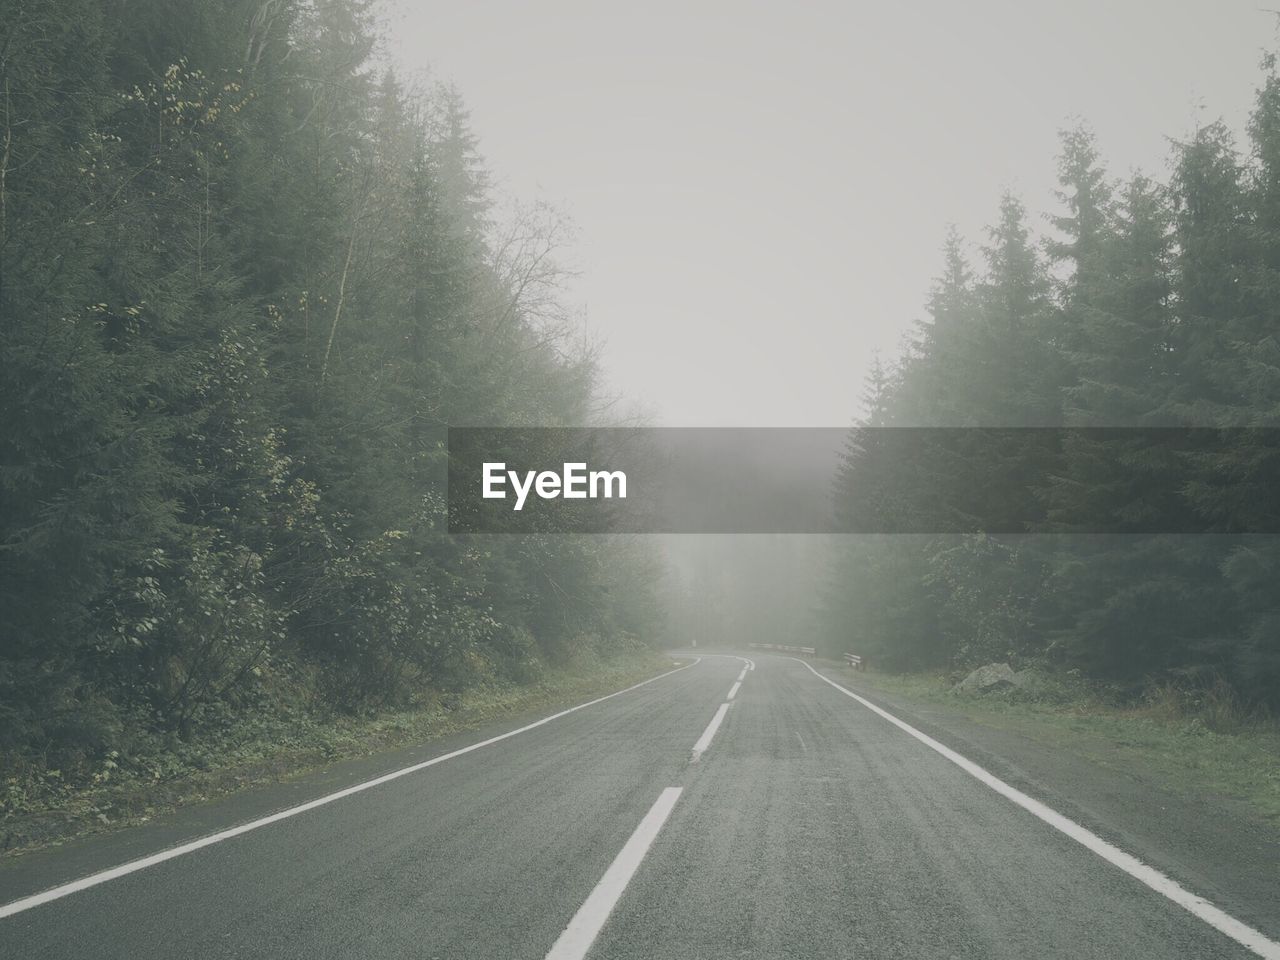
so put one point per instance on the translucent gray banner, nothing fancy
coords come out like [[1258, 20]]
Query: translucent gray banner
[[885, 480]]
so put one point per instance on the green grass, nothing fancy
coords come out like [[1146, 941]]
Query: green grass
[[40, 807], [1202, 743]]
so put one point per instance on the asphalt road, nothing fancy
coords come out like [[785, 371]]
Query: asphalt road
[[673, 820]]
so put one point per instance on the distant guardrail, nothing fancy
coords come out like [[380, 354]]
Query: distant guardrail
[[855, 661], [782, 646]]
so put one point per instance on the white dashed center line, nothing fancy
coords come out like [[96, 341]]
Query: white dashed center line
[[704, 741], [587, 923]]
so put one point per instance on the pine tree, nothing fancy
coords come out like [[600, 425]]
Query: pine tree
[[1084, 226], [245, 282]]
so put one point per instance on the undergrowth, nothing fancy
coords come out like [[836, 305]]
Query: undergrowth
[[42, 803]]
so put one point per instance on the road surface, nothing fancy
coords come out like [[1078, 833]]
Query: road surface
[[729, 809]]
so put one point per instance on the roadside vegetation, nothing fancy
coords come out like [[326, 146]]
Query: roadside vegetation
[[1150, 304], [248, 279], [1205, 741], [40, 805]]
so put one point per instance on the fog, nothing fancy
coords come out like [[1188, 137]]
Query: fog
[[585, 479], [761, 189]]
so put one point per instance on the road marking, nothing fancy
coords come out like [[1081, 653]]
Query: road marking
[[75, 886], [733, 691], [704, 741], [1221, 921], [803, 748], [742, 675], [587, 923], [747, 663]]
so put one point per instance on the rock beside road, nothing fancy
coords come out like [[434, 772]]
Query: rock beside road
[[992, 678]]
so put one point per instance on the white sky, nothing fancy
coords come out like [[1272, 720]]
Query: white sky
[[760, 189]]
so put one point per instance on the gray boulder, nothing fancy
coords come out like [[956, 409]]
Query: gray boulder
[[989, 679]]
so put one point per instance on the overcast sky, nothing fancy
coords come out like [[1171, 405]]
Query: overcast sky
[[760, 189]]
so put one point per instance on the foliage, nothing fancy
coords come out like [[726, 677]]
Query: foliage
[[247, 281], [1151, 305]]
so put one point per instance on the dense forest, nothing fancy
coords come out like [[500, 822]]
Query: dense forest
[[247, 280], [1150, 304]]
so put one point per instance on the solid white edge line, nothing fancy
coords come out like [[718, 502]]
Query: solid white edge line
[[742, 675], [587, 923], [75, 886], [704, 741], [733, 691], [1221, 921]]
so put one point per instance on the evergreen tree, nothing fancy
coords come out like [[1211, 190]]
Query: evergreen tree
[[246, 282]]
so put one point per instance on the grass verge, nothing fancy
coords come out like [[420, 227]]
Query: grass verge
[[1191, 742], [39, 809]]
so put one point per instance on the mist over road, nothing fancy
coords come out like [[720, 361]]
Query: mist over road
[[733, 808]]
